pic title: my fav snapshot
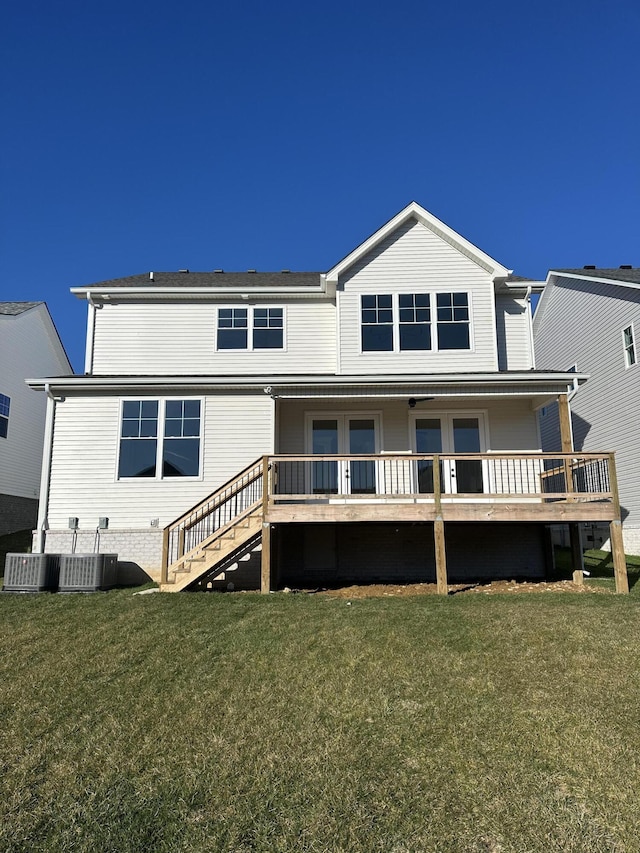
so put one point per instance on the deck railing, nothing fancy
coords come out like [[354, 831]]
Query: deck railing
[[217, 511], [534, 476]]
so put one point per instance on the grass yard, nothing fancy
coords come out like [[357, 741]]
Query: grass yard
[[306, 723]]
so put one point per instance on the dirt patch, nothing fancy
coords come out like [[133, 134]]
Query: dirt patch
[[510, 587]]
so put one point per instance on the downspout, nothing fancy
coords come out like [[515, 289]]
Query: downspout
[[531, 341], [45, 477], [91, 330]]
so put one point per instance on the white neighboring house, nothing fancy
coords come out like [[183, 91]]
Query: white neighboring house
[[373, 422], [29, 345], [588, 320]]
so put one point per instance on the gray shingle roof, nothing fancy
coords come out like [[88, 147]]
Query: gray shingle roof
[[244, 280], [613, 273], [14, 308]]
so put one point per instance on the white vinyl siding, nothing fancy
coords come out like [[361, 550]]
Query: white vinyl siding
[[415, 260], [581, 323], [29, 347], [514, 334], [235, 429], [179, 339]]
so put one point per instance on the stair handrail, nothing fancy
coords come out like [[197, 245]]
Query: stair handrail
[[171, 551]]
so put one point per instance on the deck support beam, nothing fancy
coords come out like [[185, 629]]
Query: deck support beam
[[619, 559], [265, 568], [441, 557]]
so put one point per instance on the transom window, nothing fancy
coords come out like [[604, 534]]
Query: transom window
[[5, 405], [160, 439], [403, 322], [629, 346], [266, 324]]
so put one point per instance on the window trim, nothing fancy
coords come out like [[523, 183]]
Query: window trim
[[250, 309], [633, 346], [160, 438], [433, 323], [4, 417]]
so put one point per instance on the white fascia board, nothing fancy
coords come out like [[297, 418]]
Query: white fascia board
[[416, 211], [557, 274], [105, 294], [271, 385]]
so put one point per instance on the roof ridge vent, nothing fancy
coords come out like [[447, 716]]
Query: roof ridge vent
[[183, 270], [589, 267], [251, 270], [285, 271], [626, 266], [218, 271]]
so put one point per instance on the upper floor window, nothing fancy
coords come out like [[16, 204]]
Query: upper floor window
[[266, 324], [404, 323], [377, 323], [453, 321], [5, 404], [415, 321], [160, 439], [628, 341]]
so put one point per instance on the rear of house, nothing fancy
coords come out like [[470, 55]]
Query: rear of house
[[269, 428]]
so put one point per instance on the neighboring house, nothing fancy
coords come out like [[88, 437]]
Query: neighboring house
[[296, 428], [29, 346], [588, 320]]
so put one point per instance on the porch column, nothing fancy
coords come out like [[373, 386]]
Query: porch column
[[566, 440], [615, 533], [438, 531]]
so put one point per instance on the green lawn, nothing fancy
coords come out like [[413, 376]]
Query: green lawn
[[217, 722]]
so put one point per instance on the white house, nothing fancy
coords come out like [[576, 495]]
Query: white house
[[29, 345], [588, 320], [376, 421]]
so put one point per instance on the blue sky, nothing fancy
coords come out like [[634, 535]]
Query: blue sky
[[145, 136]]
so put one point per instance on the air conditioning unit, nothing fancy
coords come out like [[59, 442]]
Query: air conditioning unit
[[31, 572], [87, 572]]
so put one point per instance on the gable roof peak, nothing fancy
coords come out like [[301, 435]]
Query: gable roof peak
[[415, 211]]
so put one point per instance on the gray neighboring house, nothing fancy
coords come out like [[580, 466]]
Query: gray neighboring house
[[588, 321], [29, 345]]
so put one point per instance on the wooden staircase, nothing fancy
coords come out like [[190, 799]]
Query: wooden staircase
[[209, 534]]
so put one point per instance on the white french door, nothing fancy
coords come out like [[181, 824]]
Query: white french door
[[348, 434], [446, 433]]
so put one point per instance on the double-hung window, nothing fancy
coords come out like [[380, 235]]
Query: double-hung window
[[415, 321], [250, 328], [628, 342], [5, 405], [377, 323], [160, 438], [453, 321]]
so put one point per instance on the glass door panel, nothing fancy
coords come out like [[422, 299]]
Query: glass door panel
[[324, 441], [362, 439], [428, 440], [468, 472]]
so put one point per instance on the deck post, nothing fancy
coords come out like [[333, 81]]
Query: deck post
[[164, 575], [265, 568], [438, 531], [615, 533], [566, 439]]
